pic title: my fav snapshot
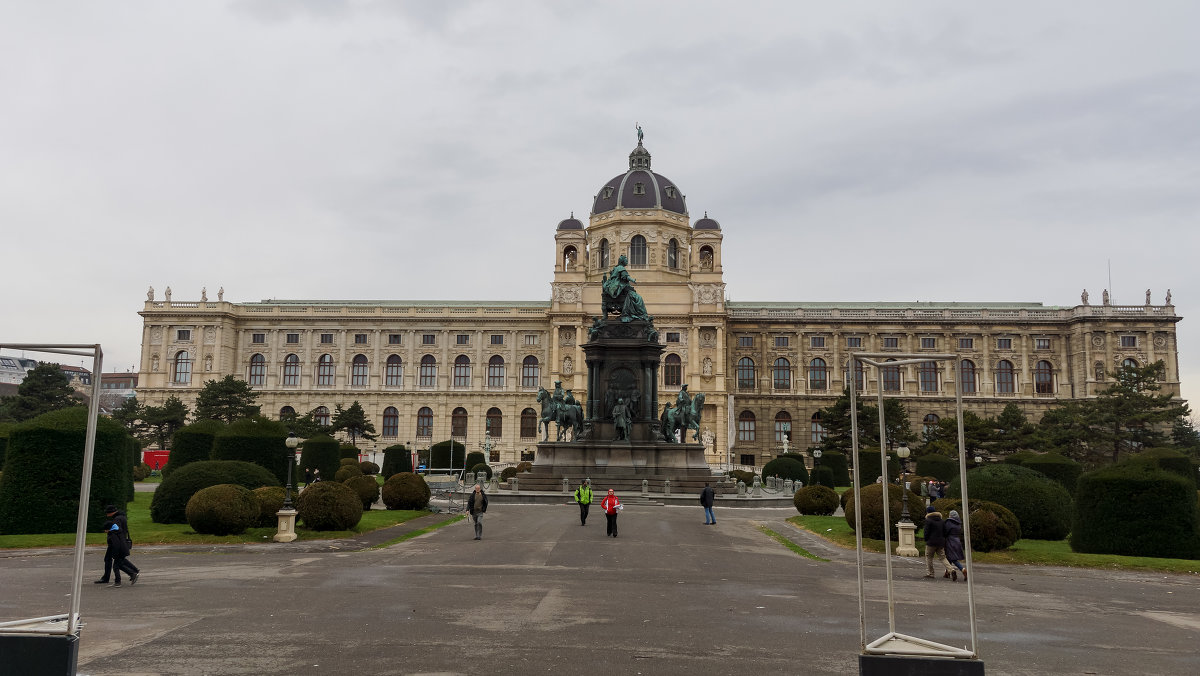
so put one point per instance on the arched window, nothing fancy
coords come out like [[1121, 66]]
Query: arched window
[[391, 422], [425, 422], [291, 370], [570, 255], [1129, 364], [783, 427], [746, 426], [1005, 377], [604, 254], [496, 372], [781, 374], [1099, 368], [529, 423], [287, 413], [818, 375], [458, 422], [182, 368], [1043, 378], [745, 373], [706, 258], [258, 370], [325, 371], [817, 430], [860, 376], [358, 371], [966, 375], [462, 371], [495, 421], [673, 254], [393, 374], [891, 378], [637, 250], [530, 372], [672, 371], [929, 424], [321, 416], [927, 376], [428, 371]]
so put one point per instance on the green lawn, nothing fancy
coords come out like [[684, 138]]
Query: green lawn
[[1027, 552], [146, 532]]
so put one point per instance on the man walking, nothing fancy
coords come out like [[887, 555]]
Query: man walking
[[116, 557], [706, 499], [583, 496], [935, 541], [611, 504], [476, 506]]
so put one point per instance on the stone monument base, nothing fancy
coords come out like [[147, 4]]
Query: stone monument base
[[621, 465]]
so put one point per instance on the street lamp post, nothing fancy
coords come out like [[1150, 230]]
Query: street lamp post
[[286, 531], [816, 464], [903, 452]]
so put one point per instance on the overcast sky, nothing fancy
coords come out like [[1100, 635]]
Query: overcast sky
[[934, 151]]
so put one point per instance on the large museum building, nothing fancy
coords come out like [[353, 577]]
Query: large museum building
[[427, 370]]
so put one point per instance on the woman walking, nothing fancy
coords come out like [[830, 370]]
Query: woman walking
[[954, 544], [611, 505]]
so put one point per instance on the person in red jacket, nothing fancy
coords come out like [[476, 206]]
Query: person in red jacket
[[611, 505]]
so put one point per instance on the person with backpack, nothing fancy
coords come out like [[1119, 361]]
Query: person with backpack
[[116, 557], [583, 496]]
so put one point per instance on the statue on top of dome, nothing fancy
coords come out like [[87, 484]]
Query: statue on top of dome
[[639, 132]]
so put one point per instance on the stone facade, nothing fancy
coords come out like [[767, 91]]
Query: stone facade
[[760, 364]]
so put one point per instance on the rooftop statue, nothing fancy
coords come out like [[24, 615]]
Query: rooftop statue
[[618, 295]]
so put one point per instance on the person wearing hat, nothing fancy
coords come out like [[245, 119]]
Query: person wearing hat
[[935, 541], [954, 545], [583, 496], [611, 504], [116, 557]]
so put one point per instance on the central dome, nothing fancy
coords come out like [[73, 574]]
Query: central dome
[[639, 188]]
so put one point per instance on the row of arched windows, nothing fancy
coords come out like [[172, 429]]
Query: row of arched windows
[[458, 421], [747, 427], [393, 373], [638, 253], [928, 376]]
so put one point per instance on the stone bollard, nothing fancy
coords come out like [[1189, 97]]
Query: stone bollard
[[495, 483], [566, 485], [667, 487], [645, 487], [789, 487], [757, 486], [481, 478], [741, 489], [513, 484]]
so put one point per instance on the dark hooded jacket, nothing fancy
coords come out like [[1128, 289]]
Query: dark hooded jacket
[[935, 533], [116, 530]]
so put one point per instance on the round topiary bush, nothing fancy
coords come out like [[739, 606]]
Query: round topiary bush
[[396, 459], [1020, 457], [817, 500], [845, 496], [321, 453], [368, 467], [141, 471], [1063, 470], [255, 440], [786, 467], [1041, 504], [348, 451], [872, 516], [224, 509], [937, 466], [481, 467], [836, 461], [169, 504], [329, 505], [475, 458], [347, 461], [508, 473], [822, 475], [1136, 509], [406, 491], [366, 487], [270, 501], [524, 466], [743, 476], [347, 471], [993, 526]]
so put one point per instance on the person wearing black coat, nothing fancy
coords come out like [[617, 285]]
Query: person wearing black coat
[[935, 541], [476, 506], [116, 557], [707, 496], [954, 544]]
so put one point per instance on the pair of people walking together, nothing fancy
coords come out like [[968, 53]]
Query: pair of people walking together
[[943, 541]]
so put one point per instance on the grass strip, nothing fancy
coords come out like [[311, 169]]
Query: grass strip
[[420, 531], [790, 545]]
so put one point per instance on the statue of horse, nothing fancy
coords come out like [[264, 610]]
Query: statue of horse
[[675, 419], [565, 415]]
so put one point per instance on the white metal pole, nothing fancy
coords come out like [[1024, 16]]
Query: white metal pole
[[887, 517], [858, 549], [85, 489], [966, 511]]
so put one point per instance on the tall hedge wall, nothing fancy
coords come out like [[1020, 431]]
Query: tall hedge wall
[[938, 466], [1136, 509], [169, 504], [192, 443], [396, 459], [320, 452], [475, 458], [4, 428], [786, 466], [256, 440], [1041, 504], [869, 467], [440, 455], [39, 490], [1062, 469], [837, 463], [1170, 460]]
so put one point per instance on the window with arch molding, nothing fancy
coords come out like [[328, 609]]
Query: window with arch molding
[[321, 416], [781, 374], [927, 376], [1005, 377], [529, 424], [182, 368], [325, 371], [672, 371], [818, 375], [530, 372], [745, 373], [860, 376], [291, 370], [570, 255], [637, 250], [604, 254], [891, 378], [783, 427], [1043, 378], [496, 372], [1099, 370], [462, 371], [1129, 363], [258, 370], [393, 374], [287, 412], [745, 425], [358, 371], [706, 258], [458, 422], [966, 375], [817, 429], [929, 424], [673, 254], [428, 375], [425, 422], [391, 422], [495, 421]]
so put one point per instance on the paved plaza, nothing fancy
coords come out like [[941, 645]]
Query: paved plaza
[[541, 594]]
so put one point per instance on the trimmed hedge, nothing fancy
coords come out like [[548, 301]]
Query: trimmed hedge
[[396, 459], [524, 466], [39, 489], [224, 509], [270, 501], [1062, 469], [1170, 460], [347, 461], [366, 487], [481, 467], [836, 461], [476, 458], [406, 491], [440, 456], [329, 505], [743, 476], [868, 468], [872, 517], [1041, 504], [346, 472], [348, 451], [368, 467], [4, 428], [192, 443], [1136, 509], [937, 466], [320, 452], [822, 475], [508, 473], [255, 440], [818, 500], [1020, 457], [786, 467], [169, 504], [993, 526]]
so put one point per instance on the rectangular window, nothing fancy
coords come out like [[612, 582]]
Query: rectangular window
[[966, 343], [891, 343], [360, 339], [1004, 343], [854, 341], [672, 336], [293, 338], [183, 334], [1041, 343], [531, 339], [745, 341], [781, 341], [497, 339], [327, 339], [393, 339], [929, 343], [1128, 341], [258, 338], [817, 341], [428, 338], [748, 459], [462, 339]]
